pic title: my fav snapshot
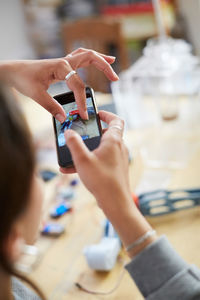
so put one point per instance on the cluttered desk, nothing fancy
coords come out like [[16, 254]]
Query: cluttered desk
[[58, 261]]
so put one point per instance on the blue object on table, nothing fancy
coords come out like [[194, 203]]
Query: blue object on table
[[60, 210], [47, 175], [109, 230], [74, 182], [162, 202], [53, 229]]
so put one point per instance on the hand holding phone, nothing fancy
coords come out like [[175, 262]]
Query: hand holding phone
[[89, 130], [104, 171], [105, 174]]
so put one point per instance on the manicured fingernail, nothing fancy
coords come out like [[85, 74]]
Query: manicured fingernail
[[60, 118]]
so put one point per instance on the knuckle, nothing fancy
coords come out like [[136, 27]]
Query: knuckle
[[121, 122], [80, 49], [118, 123], [62, 63], [91, 53]]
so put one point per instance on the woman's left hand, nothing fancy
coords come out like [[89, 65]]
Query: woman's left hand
[[33, 77]]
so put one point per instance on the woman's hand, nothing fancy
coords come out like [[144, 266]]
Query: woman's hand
[[104, 172], [33, 77]]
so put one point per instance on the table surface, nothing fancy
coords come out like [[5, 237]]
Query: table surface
[[62, 261]]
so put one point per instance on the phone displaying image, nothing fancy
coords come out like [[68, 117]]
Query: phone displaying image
[[89, 130]]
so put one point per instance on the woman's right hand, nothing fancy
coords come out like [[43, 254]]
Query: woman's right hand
[[104, 172]]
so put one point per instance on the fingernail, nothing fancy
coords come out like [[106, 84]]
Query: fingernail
[[60, 118], [68, 133], [116, 76], [113, 57]]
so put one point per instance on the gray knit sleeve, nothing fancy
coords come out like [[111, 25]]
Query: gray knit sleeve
[[21, 292], [161, 274]]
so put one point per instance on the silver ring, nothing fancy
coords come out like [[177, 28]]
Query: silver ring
[[117, 127], [67, 77]]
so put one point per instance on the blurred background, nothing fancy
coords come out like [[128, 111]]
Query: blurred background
[[51, 28]]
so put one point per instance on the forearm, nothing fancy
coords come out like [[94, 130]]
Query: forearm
[[128, 222], [6, 71]]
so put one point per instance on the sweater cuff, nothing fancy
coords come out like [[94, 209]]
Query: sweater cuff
[[155, 265]]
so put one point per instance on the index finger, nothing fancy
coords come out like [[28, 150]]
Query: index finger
[[115, 124], [107, 117], [90, 57], [78, 87], [75, 83]]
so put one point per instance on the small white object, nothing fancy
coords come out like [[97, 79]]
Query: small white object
[[30, 250], [67, 77], [102, 256], [139, 241]]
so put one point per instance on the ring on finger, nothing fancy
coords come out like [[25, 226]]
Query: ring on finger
[[70, 74], [117, 127]]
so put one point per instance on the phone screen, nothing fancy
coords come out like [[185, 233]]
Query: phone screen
[[89, 130], [86, 129]]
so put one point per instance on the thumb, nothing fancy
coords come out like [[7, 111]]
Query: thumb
[[79, 151], [51, 105]]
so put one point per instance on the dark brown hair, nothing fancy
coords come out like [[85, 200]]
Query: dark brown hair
[[17, 163]]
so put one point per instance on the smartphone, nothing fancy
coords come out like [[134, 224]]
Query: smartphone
[[90, 130]]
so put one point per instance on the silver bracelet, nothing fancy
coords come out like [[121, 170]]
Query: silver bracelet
[[141, 240]]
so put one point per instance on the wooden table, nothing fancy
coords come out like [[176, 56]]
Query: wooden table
[[63, 263]]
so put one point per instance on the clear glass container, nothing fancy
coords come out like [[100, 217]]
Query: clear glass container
[[154, 94]]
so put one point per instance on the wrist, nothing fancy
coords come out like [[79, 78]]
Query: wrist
[[116, 203], [131, 226], [127, 220], [139, 248]]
